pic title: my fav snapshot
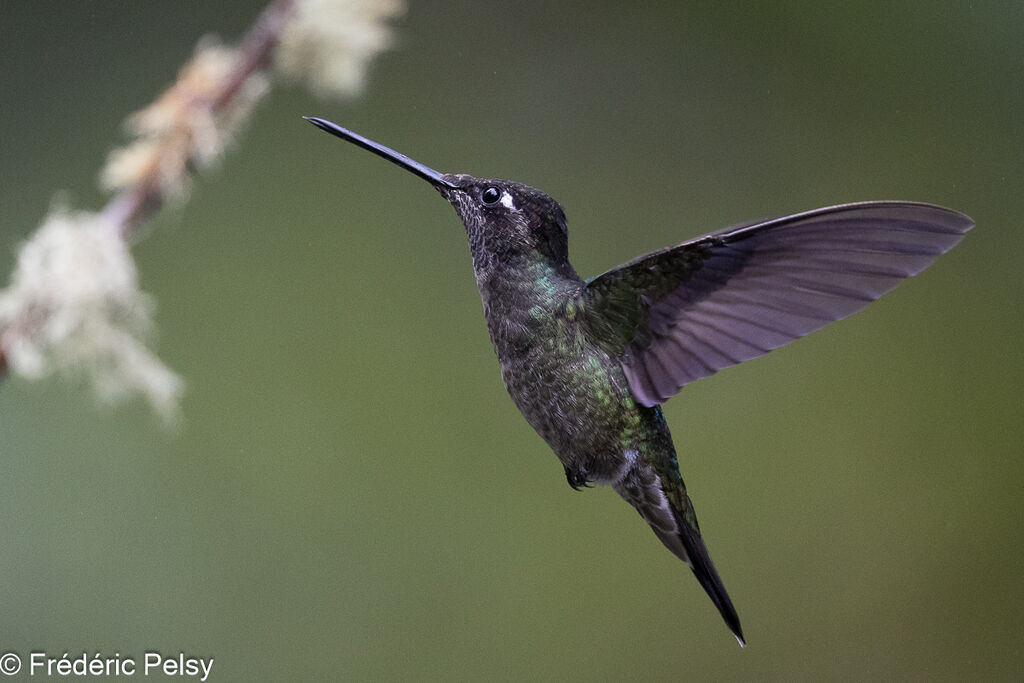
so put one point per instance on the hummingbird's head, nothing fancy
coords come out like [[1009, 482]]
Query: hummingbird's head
[[502, 218]]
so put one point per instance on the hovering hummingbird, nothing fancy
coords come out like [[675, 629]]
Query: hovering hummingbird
[[588, 362]]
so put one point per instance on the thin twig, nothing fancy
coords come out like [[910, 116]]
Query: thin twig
[[128, 208]]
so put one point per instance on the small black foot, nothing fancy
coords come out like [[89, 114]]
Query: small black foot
[[577, 479]]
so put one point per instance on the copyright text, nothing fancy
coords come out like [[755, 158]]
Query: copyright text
[[116, 665]]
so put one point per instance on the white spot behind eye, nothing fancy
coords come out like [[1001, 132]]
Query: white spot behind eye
[[506, 201]]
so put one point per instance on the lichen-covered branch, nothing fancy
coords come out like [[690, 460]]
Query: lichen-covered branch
[[74, 305]]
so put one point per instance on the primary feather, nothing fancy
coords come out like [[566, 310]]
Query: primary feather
[[684, 313]]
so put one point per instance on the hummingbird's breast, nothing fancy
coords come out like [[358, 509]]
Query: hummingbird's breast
[[566, 386]]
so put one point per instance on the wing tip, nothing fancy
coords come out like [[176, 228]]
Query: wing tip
[[947, 220]]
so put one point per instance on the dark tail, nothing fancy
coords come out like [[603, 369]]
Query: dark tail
[[704, 570], [642, 488]]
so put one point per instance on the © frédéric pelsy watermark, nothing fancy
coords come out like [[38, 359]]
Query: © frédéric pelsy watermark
[[99, 665]]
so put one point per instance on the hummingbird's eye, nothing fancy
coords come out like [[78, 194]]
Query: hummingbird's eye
[[490, 195]]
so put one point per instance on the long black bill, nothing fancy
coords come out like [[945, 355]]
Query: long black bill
[[380, 150]]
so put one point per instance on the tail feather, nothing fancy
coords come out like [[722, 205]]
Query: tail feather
[[704, 569], [643, 490]]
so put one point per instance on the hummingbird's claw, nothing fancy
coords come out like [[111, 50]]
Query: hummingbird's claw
[[577, 479]]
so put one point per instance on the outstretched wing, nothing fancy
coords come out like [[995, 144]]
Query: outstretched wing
[[683, 313]]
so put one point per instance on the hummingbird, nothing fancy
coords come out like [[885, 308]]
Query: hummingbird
[[589, 362]]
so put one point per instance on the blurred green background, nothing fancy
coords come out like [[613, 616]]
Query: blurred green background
[[352, 495]]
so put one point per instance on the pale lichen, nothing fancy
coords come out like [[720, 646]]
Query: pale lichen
[[74, 307], [181, 129], [330, 43]]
